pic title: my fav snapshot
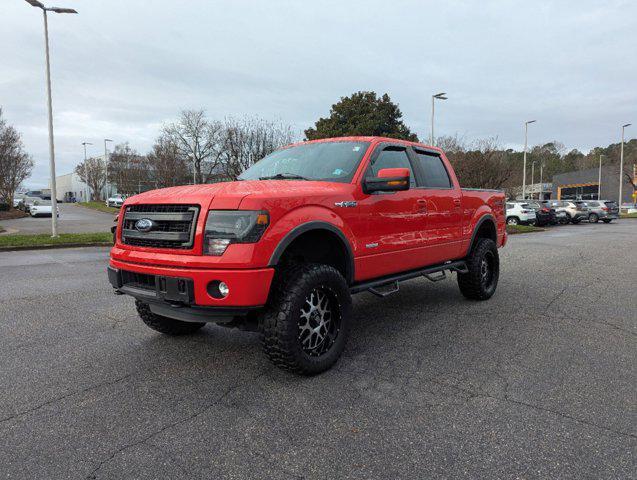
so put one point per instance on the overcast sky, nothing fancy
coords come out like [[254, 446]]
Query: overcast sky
[[121, 68]]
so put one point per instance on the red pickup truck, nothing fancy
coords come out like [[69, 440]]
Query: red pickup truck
[[281, 250]]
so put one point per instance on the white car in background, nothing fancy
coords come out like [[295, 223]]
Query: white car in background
[[520, 214], [42, 208], [115, 201]]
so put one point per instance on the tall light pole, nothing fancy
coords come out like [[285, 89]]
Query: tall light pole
[[84, 144], [532, 176], [526, 136], [108, 190], [439, 96], [54, 201], [621, 167], [599, 181]]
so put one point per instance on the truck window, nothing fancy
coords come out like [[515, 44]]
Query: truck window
[[392, 157], [434, 171]]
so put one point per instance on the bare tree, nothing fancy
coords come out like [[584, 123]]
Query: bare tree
[[92, 171], [15, 164], [248, 140], [128, 170], [482, 164], [198, 140], [166, 166]]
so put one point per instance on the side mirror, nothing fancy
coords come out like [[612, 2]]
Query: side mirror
[[388, 180]]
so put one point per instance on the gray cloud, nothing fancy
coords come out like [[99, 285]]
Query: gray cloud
[[121, 68]]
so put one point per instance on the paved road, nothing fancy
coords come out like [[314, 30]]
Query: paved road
[[539, 382], [72, 219]]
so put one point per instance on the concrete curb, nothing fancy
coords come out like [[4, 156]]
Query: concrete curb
[[94, 210], [57, 245]]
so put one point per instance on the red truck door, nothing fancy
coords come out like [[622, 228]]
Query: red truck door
[[443, 199], [389, 223]]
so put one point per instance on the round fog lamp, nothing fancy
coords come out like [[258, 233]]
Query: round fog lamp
[[223, 289]]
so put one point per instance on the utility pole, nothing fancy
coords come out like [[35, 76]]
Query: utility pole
[[108, 190], [54, 201], [621, 168], [526, 136], [599, 181]]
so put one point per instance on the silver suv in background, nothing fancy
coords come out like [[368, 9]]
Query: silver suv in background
[[604, 210], [575, 210]]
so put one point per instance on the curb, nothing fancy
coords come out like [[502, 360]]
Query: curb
[[94, 209], [55, 245]]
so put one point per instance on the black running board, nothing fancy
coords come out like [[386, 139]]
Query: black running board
[[434, 273]]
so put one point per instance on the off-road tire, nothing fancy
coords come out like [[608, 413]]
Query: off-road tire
[[606, 220], [165, 325], [280, 331], [593, 218], [513, 221], [473, 285]]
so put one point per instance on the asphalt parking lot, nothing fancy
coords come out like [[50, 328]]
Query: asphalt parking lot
[[72, 219], [539, 382]]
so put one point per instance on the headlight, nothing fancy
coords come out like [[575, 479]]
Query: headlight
[[224, 227]]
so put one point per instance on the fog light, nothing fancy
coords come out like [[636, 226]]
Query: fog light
[[218, 289]]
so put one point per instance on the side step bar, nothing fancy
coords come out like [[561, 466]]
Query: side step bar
[[434, 273]]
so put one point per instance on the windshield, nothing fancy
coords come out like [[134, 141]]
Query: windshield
[[326, 161]]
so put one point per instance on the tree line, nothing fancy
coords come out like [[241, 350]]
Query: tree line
[[193, 149], [16, 164]]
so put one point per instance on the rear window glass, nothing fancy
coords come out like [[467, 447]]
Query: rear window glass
[[434, 171]]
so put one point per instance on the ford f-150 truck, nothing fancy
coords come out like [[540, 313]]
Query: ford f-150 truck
[[281, 250]]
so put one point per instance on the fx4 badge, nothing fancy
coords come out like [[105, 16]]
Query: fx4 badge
[[345, 204]]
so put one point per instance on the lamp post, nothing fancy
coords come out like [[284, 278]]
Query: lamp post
[[54, 201], [599, 181], [84, 144], [439, 96], [526, 136], [108, 190], [621, 168], [532, 177]]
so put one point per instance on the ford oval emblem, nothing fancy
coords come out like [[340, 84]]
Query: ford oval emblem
[[144, 225]]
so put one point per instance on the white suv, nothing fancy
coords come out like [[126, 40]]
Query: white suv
[[520, 213], [576, 210]]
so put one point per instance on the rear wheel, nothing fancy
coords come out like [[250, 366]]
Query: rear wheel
[[606, 220], [575, 221], [593, 218], [305, 326], [513, 221], [483, 264], [165, 325]]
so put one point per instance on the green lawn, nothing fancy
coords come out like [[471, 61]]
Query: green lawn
[[17, 240], [513, 229], [100, 206], [628, 215]]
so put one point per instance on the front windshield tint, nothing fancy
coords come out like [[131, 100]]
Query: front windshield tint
[[326, 161]]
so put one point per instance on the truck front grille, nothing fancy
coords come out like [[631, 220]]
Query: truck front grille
[[173, 226]]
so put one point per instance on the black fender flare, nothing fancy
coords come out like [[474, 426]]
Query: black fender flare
[[485, 218], [307, 227]]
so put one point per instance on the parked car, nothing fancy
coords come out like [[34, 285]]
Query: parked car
[[520, 214], [115, 201], [575, 210], [42, 208], [558, 217], [282, 250], [604, 210], [543, 214]]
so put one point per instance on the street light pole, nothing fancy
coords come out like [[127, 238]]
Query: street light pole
[[532, 177], [621, 167], [85, 144], [108, 190], [526, 136], [439, 96], [54, 201], [599, 181]]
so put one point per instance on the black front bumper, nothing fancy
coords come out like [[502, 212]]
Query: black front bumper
[[171, 297]]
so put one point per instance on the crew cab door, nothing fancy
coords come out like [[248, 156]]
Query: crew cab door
[[443, 200], [391, 225]]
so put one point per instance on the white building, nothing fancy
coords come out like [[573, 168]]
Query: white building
[[70, 188]]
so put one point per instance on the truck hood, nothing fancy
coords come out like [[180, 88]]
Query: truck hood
[[228, 195]]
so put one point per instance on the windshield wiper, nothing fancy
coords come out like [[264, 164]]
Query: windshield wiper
[[284, 176]]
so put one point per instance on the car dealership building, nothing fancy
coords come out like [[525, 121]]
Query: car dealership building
[[585, 185]]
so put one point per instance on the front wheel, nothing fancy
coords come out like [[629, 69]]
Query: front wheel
[[483, 264], [593, 218], [512, 221], [575, 221], [305, 326]]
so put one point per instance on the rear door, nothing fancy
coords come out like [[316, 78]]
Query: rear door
[[443, 202]]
